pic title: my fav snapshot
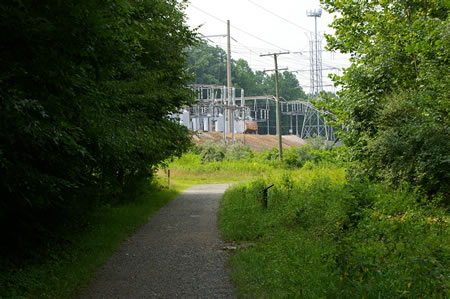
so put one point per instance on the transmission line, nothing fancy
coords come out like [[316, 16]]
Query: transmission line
[[278, 16], [237, 28]]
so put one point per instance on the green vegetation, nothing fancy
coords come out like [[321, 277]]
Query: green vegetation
[[324, 233], [86, 88], [208, 64], [395, 96], [381, 231], [324, 237], [64, 269], [217, 160]]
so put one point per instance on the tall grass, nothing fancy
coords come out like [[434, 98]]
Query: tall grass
[[325, 237], [323, 234], [61, 271]]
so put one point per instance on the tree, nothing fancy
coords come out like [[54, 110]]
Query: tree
[[394, 97], [86, 88], [208, 65], [289, 86], [244, 77]]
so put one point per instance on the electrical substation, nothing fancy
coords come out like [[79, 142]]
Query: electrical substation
[[252, 114], [219, 109]]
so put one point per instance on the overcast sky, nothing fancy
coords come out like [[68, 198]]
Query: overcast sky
[[264, 26]]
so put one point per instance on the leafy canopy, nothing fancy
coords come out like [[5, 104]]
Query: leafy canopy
[[394, 100], [85, 92], [209, 66]]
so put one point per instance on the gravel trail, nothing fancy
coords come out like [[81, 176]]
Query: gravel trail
[[177, 254]]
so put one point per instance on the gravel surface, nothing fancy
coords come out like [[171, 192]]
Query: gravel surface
[[255, 142], [177, 254]]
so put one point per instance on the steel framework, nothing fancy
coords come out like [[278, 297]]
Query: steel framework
[[304, 119], [210, 114], [315, 45]]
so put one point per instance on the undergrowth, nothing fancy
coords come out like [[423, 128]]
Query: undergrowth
[[62, 268], [219, 160], [323, 236]]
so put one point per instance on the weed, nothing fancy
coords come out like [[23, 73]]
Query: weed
[[322, 236], [66, 268]]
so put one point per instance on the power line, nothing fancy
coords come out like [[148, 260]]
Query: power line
[[278, 16], [241, 52], [298, 60], [237, 28], [278, 115]]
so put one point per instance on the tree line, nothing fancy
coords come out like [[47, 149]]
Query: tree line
[[86, 88], [209, 66], [395, 95]]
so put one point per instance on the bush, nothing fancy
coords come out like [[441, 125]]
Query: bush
[[85, 92], [270, 155], [298, 157], [410, 146], [322, 236], [239, 151], [211, 151], [319, 142]]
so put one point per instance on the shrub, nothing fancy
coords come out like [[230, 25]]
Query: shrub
[[411, 145], [319, 142], [212, 152], [238, 151], [322, 236]]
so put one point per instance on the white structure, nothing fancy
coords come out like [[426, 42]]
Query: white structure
[[208, 113]]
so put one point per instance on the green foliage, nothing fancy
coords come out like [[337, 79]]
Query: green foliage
[[319, 142], [212, 152], [238, 157], [239, 151], [397, 249], [322, 236], [394, 97], [244, 77], [85, 90], [64, 269], [289, 86], [410, 146], [317, 151], [297, 157], [208, 65]]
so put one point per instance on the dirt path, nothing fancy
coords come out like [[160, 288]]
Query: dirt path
[[177, 254]]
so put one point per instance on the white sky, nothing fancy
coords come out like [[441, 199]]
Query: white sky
[[256, 30]]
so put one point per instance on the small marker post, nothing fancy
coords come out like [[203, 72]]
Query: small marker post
[[168, 177], [265, 195]]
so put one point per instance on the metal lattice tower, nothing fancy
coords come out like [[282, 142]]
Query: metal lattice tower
[[304, 119], [209, 113], [315, 45]]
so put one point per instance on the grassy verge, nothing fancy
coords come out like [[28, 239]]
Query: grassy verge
[[324, 237], [190, 170], [63, 272]]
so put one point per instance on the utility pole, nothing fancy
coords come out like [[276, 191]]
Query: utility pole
[[223, 98], [277, 96], [230, 127]]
